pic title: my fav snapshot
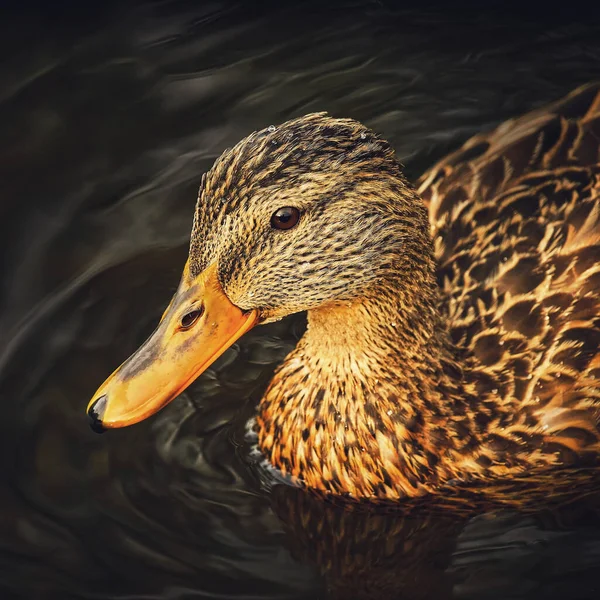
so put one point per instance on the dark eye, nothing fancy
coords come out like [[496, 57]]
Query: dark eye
[[190, 318], [285, 218]]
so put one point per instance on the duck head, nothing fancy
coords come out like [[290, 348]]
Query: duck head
[[314, 213]]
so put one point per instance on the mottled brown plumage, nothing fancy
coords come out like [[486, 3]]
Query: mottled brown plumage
[[459, 346]]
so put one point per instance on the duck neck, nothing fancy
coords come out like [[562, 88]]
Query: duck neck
[[368, 401]]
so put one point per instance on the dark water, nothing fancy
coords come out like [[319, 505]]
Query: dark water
[[109, 116]]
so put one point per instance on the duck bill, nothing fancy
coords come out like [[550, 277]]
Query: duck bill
[[199, 324]]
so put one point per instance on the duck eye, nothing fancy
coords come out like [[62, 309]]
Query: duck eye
[[190, 318], [285, 218]]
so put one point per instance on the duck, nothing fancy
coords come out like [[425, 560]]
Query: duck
[[453, 326]]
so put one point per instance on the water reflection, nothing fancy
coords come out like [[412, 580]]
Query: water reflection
[[364, 553], [444, 549], [108, 123]]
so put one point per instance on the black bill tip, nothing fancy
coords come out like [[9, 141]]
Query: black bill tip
[[95, 414]]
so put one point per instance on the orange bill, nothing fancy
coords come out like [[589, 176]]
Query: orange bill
[[199, 324]]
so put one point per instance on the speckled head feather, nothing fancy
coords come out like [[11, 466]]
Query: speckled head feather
[[341, 177]]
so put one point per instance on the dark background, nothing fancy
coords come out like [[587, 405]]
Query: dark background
[[109, 114]]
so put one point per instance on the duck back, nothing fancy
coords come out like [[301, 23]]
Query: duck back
[[515, 218]]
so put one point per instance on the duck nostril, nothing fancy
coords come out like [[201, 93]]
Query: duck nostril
[[95, 414]]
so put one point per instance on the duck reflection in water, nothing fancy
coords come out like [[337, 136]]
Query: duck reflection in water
[[407, 552], [364, 553]]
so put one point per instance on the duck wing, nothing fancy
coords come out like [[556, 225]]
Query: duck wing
[[515, 218]]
